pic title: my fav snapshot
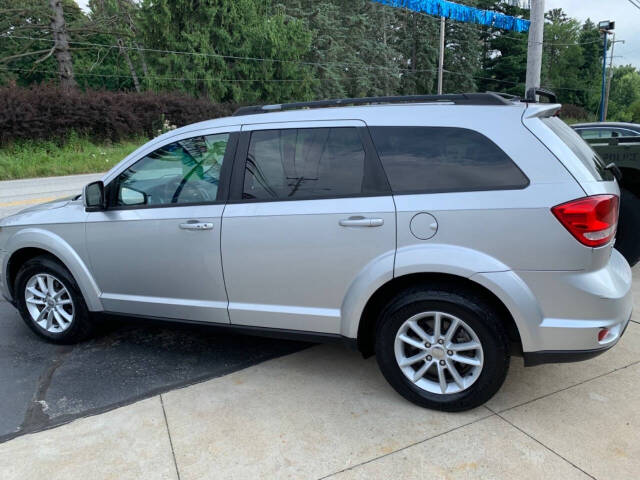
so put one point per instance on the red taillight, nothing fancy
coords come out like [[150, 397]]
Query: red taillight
[[592, 220]]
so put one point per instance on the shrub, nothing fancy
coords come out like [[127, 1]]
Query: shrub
[[576, 112], [46, 112]]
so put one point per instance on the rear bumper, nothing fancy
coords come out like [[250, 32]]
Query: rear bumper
[[531, 359], [575, 306]]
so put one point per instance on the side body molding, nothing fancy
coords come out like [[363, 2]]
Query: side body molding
[[56, 245]]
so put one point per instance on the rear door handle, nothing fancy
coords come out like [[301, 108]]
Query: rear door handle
[[359, 221], [195, 225]]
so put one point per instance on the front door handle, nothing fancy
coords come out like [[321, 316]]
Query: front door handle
[[359, 221], [195, 225]]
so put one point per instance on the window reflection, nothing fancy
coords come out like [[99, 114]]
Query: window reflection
[[187, 171]]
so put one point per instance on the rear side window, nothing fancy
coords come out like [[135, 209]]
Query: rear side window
[[443, 159], [307, 163], [588, 134], [580, 148]]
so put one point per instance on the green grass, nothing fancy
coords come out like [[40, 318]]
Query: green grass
[[33, 158]]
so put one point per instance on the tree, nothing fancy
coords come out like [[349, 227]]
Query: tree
[[504, 54], [118, 14], [625, 94], [417, 46], [591, 69], [353, 46], [26, 40], [562, 57], [61, 46], [215, 64]]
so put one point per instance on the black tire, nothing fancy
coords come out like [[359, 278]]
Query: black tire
[[81, 326], [628, 236], [476, 313]]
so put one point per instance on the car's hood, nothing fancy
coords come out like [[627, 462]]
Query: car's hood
[[38, 214], [57, 203]]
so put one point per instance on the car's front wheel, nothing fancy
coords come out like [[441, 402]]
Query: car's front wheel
[[442, 349], [50, 302]]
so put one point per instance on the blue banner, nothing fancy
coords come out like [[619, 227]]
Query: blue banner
[[461, 13]]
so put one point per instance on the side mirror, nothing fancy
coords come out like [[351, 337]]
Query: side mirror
[[93, 197], [130, 196]]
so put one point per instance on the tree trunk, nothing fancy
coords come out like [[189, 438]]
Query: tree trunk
[[132, 70], [145, 69], [126, 9], [61, 44]]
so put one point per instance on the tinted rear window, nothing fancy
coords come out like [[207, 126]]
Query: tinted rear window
[[307, 163], [441, 159], [580, 148]]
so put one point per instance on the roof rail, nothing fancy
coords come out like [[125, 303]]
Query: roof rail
[[488, 98], [508, 96]]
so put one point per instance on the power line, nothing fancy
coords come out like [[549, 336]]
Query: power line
[[233, 57], [154, 77], [259, 59], [300, 80], [634, 4], [246, 58], [179, 52]]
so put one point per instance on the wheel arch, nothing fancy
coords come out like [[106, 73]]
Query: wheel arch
[[370, 314], [30, 243]]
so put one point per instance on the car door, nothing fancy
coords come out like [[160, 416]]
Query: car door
[[310, 208], [155, 251]]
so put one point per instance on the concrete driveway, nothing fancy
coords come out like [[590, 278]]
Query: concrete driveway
[[324, 412]]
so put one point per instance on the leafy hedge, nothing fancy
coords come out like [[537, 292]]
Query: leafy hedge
[[576, 112], [46, 112]]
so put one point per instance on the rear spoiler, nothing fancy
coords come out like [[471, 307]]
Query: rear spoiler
[[541, 110]]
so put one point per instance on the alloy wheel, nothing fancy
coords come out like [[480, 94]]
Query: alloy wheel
[[438, 352], [49, 303]]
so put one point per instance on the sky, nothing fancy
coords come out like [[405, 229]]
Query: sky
[[626, 16]]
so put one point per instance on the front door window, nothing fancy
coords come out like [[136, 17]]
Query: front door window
[[182, 172]]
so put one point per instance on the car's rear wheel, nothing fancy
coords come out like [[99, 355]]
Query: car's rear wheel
[[50, 301], [442, 349]]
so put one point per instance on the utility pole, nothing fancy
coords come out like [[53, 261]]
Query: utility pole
[[441, 59], [605, 27], [610, 74], [534, 45]]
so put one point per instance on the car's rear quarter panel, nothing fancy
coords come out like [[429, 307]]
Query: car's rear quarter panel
[[514, 227]]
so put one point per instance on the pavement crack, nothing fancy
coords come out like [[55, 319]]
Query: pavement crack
[[566, 388], [166, 423], [36, 416], [544, 446], [491, 414]]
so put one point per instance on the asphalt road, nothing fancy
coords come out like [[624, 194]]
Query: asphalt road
[[43, 385], [18, 194]]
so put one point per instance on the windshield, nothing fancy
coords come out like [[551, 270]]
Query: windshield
[[580, 148]]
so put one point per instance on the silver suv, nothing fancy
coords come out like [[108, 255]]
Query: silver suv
[[440, 233]]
